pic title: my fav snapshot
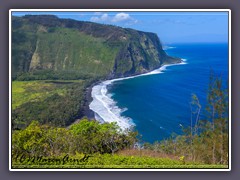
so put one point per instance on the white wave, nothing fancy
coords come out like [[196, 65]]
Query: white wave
[[105, 107], [168, 47]]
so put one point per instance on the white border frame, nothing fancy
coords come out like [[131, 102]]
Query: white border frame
[[118, 10]]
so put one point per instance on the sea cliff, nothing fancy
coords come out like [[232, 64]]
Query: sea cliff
[[46, 42], [45, 47]]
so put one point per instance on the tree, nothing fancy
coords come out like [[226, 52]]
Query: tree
[[41, 140], [206, 140], [217, 108], [93, 137]]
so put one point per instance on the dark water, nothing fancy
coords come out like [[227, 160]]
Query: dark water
[[159, 103]]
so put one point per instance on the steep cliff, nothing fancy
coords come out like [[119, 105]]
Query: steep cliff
[[45, 43]]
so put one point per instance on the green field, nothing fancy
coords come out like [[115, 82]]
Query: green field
[[55, 102], [110, 161], [33, 91]]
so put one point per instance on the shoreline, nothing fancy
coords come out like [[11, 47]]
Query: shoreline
[[91, 114], [87, 112]]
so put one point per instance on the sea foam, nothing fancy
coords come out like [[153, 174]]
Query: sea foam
[[168, 47], [105, 107]]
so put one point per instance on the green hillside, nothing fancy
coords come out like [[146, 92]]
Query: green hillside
[[55, 63], [46, 48], [75, 51], [45, 42]]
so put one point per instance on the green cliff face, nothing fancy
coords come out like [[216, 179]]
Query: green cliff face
[[48, 44], [59, 51]]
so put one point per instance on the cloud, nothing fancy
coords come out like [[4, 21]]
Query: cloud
[[119, 17], [102, 18]]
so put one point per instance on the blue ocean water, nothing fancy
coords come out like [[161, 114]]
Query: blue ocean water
[[159, 104]]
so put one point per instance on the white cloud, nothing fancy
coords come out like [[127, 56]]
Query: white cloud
[[120, 17], [102, 18]]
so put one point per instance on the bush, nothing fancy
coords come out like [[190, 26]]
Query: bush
[[86, 137]]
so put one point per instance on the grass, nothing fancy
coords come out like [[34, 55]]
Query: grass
[[146, 153], [33, 91], [62, 49], [76, 51], [112, 161]]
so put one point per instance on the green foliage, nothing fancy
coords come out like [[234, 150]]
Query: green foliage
[[33, 91], [43, 43], [57, 103], [55, 75], [69, 49], [38, 140], [23, 46], [86, 137], [87, 144], [40, 48], [205, 145], [93, 137], [105, 161], [70, 56]]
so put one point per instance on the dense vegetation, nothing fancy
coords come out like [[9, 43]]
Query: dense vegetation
[[202, 145], [56, 103], [86, 144], [52, 49], [79, 49], [55, 60], [86, 137], [47, 48]]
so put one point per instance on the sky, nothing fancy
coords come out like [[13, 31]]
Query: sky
[[171, 27]]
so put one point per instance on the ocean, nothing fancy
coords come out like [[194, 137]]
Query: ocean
[[157, 104]]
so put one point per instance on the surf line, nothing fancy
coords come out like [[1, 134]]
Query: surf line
[[105, 108]]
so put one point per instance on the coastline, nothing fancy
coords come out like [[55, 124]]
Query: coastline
[[89, 98], [87, 112]]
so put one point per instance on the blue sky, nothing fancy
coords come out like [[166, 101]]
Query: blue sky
[[171, 27]]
